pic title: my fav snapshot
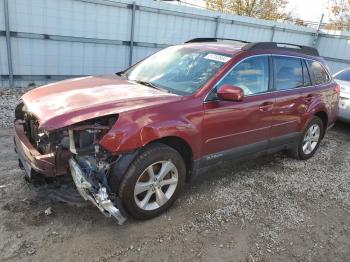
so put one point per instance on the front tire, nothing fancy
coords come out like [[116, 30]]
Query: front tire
[[153, 181], [310, 140]]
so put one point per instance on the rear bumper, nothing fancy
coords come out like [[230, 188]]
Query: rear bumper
[[31, 159]]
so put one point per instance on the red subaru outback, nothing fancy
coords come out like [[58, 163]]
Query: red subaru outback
[[131, 140]]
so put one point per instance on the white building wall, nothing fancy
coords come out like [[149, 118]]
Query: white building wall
[[56, 39]]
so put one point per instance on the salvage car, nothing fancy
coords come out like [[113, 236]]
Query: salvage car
[[131, 140], [343, 79]]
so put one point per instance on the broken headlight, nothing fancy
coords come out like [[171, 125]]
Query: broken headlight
[[85, 136]]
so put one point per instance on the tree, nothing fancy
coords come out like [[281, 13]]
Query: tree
[[340, 11], [299, 21], [264, 9]]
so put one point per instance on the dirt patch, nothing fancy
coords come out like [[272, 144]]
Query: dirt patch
[[273, 208]]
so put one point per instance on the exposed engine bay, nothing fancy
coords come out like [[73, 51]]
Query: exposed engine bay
[[90, 166], [76, 151]]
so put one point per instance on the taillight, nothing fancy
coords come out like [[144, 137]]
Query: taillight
[[337, 89]]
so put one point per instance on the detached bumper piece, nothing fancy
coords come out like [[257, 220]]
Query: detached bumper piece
[[30, 159], [99, 197]]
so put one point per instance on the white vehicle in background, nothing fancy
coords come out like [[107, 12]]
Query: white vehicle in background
[[343, 79]]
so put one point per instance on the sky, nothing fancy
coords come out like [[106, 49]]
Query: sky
[[308, 10]]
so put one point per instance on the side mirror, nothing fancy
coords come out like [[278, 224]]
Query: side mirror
[[231, 93]]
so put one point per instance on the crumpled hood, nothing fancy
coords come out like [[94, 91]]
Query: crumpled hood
[[71, 101]]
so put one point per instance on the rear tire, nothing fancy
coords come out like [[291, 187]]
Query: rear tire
[[309, 141], [153, 181]]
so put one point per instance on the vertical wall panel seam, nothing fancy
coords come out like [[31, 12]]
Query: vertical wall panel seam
[[132, 30], [8, 43], [217, 26]]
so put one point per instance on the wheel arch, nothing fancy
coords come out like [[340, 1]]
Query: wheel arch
[[182, 147], [179, 144], [324, 117]]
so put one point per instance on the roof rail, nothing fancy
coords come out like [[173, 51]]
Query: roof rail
[[214, 39], [307, 50]]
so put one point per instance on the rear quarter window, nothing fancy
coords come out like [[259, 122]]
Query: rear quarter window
[[318, 74]]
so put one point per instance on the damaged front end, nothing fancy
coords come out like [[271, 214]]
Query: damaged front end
[[71, 150], [90, 166]]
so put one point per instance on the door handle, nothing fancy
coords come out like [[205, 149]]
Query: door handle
[[266, 106]]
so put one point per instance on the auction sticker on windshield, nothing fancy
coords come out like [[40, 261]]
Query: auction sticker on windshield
[[218, 58]]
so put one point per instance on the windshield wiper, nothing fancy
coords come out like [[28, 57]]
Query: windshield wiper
[[149, 84]]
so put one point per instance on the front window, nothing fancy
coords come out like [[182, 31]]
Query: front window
[[180, 70], [252, 75]]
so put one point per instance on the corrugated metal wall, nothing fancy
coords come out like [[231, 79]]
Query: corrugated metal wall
[[56, 39]]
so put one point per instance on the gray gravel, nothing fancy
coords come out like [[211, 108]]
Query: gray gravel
[[273, 208], [8, 101]]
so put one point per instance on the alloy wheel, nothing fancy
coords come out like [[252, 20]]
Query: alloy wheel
[[311, 139], [156, 185]]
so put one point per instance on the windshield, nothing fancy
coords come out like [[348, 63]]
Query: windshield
[[180, 70], [343, 75]]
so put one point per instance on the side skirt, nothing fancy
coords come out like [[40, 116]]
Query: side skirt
[[243, 153]]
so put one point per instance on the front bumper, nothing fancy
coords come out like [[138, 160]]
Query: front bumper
[[99, 197], [30, 158]]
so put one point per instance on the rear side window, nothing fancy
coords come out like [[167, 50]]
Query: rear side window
[[288, 73], [307, 79], [318, 73], [343, 75]]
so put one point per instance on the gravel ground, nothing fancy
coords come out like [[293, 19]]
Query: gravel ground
[[8, 102], [273, 208]]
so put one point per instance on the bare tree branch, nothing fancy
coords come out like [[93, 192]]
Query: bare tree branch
[[265, 9]]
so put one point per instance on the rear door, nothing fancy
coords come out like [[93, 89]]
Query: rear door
[[238, 128], [288, 109], [322, 95]]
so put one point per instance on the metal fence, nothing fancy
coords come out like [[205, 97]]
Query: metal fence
[[47, 40]]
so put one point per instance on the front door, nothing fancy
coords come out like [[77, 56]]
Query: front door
[[236, 128]]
